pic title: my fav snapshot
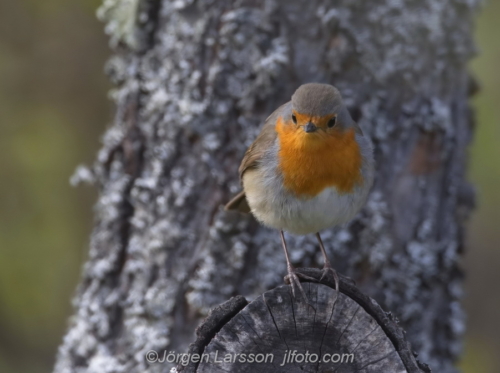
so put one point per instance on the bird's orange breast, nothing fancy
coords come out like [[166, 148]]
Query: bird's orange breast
[[312, 162]]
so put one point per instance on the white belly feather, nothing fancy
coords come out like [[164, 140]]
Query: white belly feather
[[274, 206]]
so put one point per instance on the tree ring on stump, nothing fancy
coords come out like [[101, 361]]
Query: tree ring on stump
[[330, 332]]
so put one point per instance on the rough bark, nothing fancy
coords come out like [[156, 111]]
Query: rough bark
[[194, 82]]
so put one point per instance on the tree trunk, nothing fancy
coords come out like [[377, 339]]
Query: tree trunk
[[195, 80]]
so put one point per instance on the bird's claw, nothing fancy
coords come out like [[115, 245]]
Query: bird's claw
[[328, 269], [293, 279]]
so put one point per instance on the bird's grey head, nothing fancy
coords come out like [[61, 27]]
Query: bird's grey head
[[316, 99], [319, 106]]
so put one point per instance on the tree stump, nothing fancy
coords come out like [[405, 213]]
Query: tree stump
[[331, 332]]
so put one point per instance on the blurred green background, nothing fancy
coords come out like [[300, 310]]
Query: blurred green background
[[53, 109]]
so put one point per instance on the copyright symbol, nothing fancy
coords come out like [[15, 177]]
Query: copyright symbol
[[152, 356]]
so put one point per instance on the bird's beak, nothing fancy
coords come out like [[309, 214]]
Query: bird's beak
[[310, 127]]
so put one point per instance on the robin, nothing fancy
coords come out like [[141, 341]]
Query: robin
[[310, 168]]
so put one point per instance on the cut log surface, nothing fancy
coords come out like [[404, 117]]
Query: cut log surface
[[331, 332]]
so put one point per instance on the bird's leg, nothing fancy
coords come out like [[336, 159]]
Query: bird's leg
[[293, 275], [327, 267]]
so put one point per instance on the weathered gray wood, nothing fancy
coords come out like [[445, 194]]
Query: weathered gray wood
[[292, 326], [194, 81], [386, 320], [275, 324]]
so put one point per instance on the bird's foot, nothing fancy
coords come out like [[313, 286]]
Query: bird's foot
[[327, 269], [293, 279]]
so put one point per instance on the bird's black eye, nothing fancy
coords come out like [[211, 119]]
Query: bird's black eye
[[294, 118], [332, 122]]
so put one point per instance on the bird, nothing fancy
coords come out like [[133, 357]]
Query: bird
[[310, 168]]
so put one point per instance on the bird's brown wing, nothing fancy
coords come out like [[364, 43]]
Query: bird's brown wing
[[238, 203], [252, 158], [262, 143]]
